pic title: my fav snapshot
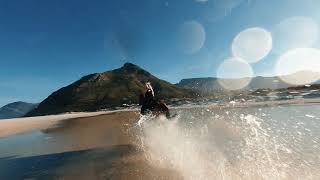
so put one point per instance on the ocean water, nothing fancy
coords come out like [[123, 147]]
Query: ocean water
[[280, 142]]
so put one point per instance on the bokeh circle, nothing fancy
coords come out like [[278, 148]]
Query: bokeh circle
[[191, 37], [295, 32], [234, 74], [299, 66], [252, 44]]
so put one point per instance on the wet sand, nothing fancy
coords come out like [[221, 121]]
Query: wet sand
[[100, 147], [22, 125]]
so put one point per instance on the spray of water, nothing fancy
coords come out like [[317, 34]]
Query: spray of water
[[227, 145]]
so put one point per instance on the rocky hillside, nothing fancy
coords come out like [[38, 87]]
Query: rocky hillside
[[16, 109], [107, 90]]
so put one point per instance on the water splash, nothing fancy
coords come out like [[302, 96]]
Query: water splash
[[202, 144]]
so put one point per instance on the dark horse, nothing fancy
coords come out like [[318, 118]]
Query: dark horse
[[150, 105]]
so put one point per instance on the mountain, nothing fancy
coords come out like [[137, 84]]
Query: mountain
[[107, 90], [207, 84], [210, 84], [16, 109]]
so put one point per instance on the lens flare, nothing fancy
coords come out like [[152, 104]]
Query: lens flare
[[191, 37], [234, 74], [252, 44], [299, 66], [295, 32]]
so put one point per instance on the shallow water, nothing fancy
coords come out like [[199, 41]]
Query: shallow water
[[242, 143]]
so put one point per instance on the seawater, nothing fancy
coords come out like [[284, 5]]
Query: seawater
[[279, 142]]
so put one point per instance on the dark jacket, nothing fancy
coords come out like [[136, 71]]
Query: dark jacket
[[147, 102]]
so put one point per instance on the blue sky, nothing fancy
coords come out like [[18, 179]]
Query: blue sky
[[47, 44]]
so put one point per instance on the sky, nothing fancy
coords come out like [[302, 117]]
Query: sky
[[45, 44]]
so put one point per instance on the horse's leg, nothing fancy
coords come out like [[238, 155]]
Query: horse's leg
[[164, 108]]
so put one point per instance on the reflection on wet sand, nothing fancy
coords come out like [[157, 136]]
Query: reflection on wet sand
[[72, 135], [115, 162], [100, 147]]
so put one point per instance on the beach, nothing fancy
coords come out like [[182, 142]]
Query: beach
[[273, 142]]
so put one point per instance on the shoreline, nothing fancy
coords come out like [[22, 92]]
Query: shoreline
[[9, 127], [314, 101], [22, 125]]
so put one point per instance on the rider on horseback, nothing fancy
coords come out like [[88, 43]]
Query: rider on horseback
[[149, 104]]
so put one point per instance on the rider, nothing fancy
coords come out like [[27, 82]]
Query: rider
[[147, 101], [149, 104]]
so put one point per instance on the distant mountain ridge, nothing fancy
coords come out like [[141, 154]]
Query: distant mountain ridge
[[16, 109], [107, 90], [209, 84]]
